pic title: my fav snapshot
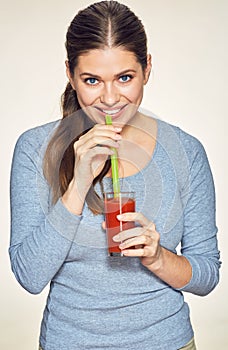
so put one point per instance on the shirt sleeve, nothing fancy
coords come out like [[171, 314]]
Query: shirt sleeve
[[199, 243], [40, 238]]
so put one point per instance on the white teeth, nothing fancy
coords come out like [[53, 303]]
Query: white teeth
[[113, 111]]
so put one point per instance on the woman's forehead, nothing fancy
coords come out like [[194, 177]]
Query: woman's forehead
[[107, 58]]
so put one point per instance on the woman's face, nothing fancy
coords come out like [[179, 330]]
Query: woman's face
[[109, 81]]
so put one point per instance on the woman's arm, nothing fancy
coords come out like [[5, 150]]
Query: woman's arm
[[173, 269], [197, 269], [91, 152], [41, 237], [199, 243]]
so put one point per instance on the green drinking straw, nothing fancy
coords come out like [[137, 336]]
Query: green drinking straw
[[114, 164]]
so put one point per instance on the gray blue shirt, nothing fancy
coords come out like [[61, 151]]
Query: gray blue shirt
[[101, 302]]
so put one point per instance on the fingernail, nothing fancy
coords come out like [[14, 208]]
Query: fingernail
[[116, 238], [117, 129]]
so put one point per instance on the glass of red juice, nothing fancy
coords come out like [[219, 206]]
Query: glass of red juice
[[115, 204]]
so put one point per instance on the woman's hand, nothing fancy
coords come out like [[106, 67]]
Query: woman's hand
[[91, 152], [143, 242]]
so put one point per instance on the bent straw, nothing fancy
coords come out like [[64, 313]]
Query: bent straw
[[114, 164]]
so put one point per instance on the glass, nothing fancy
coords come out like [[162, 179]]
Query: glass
[[117, 203]]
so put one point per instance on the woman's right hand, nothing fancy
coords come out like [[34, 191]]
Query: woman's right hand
[[91, 152]]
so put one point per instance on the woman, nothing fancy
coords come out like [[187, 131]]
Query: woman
[[59, 173]]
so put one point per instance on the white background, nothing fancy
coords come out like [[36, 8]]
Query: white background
[[188, 88]]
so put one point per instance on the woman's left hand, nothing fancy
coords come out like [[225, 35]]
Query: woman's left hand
[[143, 242]]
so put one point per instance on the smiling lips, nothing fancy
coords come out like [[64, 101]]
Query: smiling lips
[[111, 112]]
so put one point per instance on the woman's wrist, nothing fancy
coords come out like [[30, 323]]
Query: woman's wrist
[[173, 269], [157, 263], [73, 199]]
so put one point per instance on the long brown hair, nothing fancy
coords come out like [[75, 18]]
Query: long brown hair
[[102, 24]]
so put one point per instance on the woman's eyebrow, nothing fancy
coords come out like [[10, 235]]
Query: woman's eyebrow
[[90, 74], [126, 71], [116, 75]]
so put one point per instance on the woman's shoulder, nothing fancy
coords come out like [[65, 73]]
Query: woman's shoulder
[[37, 136], [190, 143]]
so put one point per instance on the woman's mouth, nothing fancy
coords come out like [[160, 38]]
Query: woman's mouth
[[113, 112]]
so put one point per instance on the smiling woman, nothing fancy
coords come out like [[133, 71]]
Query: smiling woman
[[60, 172], [109, 88], [113, 43]]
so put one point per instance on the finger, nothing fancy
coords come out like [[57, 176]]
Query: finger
[[126, 234], [98, 131], [82, 147], [102, 131], [103, 225], [137, 241], [142, 252], [137, 232], [133, 252], [89, 154], [116, 128], [99, 138], [137, 217]]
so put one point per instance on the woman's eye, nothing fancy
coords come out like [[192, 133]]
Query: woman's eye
[[91, 81], [125, 78]]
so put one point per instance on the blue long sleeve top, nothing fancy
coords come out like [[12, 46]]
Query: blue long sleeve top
[[101, 302]]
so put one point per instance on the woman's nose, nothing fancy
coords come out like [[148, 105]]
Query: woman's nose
[[110, 95]]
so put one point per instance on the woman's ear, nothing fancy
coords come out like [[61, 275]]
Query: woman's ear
[[147, 69], [68, 73]]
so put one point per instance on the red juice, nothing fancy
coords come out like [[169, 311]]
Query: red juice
[[113, 207]]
